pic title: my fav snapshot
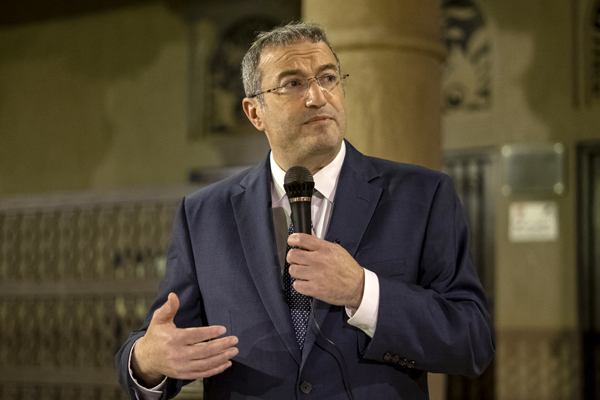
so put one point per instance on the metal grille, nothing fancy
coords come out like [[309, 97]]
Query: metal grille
[[474, 177], [77, 274], [538, 365], [588, 241]]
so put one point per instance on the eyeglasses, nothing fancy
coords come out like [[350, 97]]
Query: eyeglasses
[[297, 87]]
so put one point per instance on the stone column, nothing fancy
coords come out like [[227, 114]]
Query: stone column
[[393, 52]]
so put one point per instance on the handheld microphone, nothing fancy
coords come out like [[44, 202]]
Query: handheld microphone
[[299, 186]]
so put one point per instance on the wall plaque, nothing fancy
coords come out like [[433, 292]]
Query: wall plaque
[[533, 168], [533, 221]]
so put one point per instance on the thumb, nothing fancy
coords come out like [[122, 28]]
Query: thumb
[[166, 313]]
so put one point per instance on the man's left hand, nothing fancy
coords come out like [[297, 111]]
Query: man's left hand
[[325, 271]]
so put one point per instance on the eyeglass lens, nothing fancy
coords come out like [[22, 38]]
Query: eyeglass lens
[[327, 82]]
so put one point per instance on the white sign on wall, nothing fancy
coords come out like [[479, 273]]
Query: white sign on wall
[[533, 221]]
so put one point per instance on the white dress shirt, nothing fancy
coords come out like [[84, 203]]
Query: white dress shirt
[[365, 317]]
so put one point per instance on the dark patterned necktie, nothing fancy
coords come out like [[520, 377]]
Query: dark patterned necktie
[[299, 304]]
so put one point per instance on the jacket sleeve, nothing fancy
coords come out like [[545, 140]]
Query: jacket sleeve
[[180, 278], [440, 323]]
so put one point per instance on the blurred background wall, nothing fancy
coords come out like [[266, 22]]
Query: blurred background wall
[[111, 111]]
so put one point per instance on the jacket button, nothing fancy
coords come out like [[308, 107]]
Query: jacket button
[[387, 357], [411, 364], [305, 387], [396, 359], [403, 362]]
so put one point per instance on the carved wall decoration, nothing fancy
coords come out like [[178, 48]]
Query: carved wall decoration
[[594, 51], [227, 91], [586, 52], [467, 73], [220, 34]]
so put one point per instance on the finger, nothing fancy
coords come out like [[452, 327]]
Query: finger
[[304, 287], [301, 272], [306, 257], [214, 359], [206, 373], [192, 369], [304, 241], [201, 334], [166, 313], [297, 257], [209, 349]]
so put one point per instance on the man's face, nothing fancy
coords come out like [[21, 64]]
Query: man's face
[[304, 131]]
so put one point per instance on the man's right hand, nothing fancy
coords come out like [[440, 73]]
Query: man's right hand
[[187, 353]]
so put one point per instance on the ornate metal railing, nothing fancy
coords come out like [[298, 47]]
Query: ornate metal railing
[[77, 274]]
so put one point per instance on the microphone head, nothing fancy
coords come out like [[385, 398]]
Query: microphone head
[[298, 183]]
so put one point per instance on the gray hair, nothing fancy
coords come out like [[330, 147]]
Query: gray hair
[[280, 36]]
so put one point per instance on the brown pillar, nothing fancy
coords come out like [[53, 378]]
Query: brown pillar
[[393, 53]]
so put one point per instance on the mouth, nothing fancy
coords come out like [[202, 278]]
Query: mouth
[[319, 119]]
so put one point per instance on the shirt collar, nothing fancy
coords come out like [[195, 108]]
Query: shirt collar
[[325, 179]]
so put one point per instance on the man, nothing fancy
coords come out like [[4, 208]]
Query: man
[[388, 275]]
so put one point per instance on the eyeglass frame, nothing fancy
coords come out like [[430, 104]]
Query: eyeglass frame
[[316, 78]]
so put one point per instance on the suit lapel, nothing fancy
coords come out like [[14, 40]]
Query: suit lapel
[[355, 202], [252, 207]]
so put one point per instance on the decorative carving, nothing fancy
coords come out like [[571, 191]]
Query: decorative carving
[[467, 74], [594, 51], [227, 91]]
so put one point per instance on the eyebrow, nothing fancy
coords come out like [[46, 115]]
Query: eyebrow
[[298, 72]]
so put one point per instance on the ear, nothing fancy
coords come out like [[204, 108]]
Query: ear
[[253, 112]]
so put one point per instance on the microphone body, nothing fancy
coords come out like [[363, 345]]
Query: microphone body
[[299, 186]]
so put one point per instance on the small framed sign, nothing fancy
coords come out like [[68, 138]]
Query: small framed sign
[[533, 221]]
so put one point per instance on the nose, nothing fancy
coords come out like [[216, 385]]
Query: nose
[[315, 94]]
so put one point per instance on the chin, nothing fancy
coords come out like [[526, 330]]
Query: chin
[[325, 146]]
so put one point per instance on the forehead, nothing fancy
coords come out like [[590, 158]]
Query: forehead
[[305, 57]]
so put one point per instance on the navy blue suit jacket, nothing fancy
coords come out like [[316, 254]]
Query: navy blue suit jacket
[[403, 222]]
